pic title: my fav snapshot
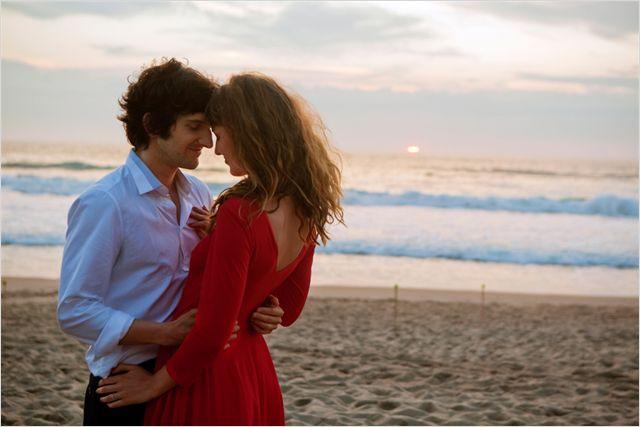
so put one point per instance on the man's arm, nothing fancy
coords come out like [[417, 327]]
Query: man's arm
[[168, 333], [94, 237], [268, 317]]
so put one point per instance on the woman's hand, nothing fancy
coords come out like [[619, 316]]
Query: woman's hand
[[200, 221], [127, 385]]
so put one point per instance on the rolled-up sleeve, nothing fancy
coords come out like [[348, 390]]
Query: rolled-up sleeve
[[94, 237]]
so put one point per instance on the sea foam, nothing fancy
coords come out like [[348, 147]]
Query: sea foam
[[604, 204]]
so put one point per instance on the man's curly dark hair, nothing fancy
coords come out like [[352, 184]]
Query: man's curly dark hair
[[165, 90]]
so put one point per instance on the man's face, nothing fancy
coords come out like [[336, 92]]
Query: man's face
[[187, 136]]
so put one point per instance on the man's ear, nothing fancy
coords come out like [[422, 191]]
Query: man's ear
[[146, 123]]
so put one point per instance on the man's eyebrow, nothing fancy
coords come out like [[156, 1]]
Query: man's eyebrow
[[198, 121]]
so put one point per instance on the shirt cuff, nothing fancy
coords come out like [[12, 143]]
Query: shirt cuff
[[114, 330]]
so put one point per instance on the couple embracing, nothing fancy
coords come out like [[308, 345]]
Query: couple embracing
[[173, 292]]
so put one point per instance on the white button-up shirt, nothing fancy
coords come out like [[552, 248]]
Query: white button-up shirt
[[125, 258]]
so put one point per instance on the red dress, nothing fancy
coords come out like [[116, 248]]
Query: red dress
[[232, 272]]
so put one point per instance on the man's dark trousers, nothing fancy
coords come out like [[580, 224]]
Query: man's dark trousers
[[97, 413]]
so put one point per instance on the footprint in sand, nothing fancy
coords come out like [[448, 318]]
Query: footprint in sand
[[388, 405], [428, 406], [381, 392], [361, 403], [302, 402], [555, 412], [346, 399], [497, 416], [441, 377], [582, 391]]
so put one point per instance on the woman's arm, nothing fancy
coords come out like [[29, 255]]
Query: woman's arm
[[293, 292], [223, 285], [131, 384]]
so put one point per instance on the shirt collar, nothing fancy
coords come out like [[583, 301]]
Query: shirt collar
[[146, 181], [183, 183]]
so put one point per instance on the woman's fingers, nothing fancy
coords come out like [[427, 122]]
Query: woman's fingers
[[199, 217], [199, 224], [198, 210], [201, 210], [203, 213]]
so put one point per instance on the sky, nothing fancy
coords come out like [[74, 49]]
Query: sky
[[523, 79]]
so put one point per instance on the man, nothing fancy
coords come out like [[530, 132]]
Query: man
[[129, 239]]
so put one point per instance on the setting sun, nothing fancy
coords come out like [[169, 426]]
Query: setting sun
[[413, 149]]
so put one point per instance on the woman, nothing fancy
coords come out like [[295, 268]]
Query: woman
[[263, 240]]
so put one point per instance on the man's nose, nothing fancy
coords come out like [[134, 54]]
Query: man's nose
[[206, 141]]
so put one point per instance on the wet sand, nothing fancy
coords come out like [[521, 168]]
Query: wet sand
[[442, 359]]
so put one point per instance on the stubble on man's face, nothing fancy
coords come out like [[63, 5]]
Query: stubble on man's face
[[188, 136]]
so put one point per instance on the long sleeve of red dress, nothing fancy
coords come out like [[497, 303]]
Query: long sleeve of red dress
[[223, 286], [293, 292]]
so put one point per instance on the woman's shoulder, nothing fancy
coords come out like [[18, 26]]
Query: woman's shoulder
[[240, 208], [238, 202]]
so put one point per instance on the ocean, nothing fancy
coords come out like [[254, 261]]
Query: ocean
[[513, 225]]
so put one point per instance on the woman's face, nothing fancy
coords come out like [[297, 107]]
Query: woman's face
[[226, 149]]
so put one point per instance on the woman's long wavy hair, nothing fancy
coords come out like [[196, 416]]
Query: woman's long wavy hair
[[282, 144]]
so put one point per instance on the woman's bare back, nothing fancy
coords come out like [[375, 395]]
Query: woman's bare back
[[285, 225]]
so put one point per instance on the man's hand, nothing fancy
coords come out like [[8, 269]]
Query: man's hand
[[233, 336], [267, 318], [127, 385], [175, 331], [200, 221]]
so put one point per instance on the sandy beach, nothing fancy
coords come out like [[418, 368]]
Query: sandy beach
[[350, 360]]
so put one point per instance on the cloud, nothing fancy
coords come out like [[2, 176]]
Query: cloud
[[605, 18], [122, 50], [80, 105], [52, 10], [600, 84], [404, 47], [318, 26]]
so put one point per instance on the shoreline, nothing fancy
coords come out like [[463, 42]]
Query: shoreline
[[43, 287]]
